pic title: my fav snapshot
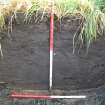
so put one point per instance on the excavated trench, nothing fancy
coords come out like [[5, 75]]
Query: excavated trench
[[26, 59]]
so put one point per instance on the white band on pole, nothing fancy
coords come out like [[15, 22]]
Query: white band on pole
[[51, 68], [68, 97]]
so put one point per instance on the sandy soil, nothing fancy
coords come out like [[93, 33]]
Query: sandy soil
[[26, 59]]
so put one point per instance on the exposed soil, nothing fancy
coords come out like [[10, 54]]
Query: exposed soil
[[26, 59]]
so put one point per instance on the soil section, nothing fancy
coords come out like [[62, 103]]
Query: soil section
[[26, 59]]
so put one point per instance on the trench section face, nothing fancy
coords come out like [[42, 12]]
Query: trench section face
[[26, 59]]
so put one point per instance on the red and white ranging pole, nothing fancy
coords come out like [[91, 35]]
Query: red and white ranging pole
[[51, 42], [32, 96]]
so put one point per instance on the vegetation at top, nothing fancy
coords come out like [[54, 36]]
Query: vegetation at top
[[92, 14]]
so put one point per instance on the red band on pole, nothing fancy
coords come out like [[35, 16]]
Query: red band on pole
[[51, 31], [29, 96]]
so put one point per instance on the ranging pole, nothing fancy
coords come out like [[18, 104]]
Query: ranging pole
[[32, 96], [51, 42]]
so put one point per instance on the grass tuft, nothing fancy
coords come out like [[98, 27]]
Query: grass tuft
[[92, 15]]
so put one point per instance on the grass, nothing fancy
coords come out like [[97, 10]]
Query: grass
[[91, 11]]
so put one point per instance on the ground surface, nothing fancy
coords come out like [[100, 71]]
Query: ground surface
[[26, 59]]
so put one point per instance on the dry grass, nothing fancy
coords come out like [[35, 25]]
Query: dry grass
[[91, 12]]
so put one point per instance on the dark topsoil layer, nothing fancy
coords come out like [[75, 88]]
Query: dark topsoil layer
[[26, 59]]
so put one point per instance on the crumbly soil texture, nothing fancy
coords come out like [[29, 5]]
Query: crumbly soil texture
[[26, 58]]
